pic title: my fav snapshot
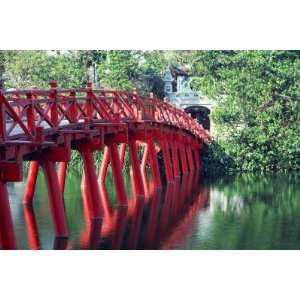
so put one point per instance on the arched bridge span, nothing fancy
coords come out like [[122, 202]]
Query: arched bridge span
[[43, 126]]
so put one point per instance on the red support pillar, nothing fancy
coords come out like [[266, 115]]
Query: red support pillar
[[89, 103], [190, 158], [167, 160], [106, 159], [87, 209], [107, 208], [137, 176], [54, 107], [143, 170], [55, 198], [30, 114], [196, 153], [31, 182], [2, 118], [145, 158], [175, 159], [154, 164], [31, 228], [183, 159], [104, 165], [73, 110], [122, 154], [117, 173], [62, 172], [91, 181], [7, 235]]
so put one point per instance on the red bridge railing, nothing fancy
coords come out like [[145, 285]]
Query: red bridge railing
[[43, 126], [23, 111]]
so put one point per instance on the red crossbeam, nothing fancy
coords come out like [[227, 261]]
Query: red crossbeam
[[43, 126]]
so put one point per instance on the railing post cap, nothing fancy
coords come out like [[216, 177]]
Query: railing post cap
[[53, 84], [89, 85]]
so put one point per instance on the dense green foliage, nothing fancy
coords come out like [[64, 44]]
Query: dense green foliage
[[37, 68], [120, 69], [256, 116], [115, 69]]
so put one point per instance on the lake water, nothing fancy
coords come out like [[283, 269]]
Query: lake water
[[237, 212]]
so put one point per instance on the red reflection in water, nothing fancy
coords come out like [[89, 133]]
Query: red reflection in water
[[120, 225], [161, 220], [33, 235], [180, 231], [152, 221], [31, 228], [90, 235]]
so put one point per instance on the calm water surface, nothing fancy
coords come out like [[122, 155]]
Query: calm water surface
[[239, 212]]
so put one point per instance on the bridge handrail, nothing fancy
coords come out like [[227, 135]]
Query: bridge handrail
[[25, 110]]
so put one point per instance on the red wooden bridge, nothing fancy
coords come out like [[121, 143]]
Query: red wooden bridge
[[43, 126]]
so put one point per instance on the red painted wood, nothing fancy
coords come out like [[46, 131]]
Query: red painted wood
[[117, 173], [31, 182], [44, 125], [7, 236], [56, 200]]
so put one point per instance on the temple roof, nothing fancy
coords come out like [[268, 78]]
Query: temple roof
[[176, 71]]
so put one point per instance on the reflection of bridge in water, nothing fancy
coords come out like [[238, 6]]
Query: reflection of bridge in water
[[158, 221]]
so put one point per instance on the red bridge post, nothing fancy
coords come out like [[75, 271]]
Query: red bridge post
[[117, 173], [104, 165], [183, 161], [31, 228], [55, 198], [31, 182], [154, 164], [105, 162], [7, 235], [145, 158], [105, 113], [167, 160], [53, 96], [196, 153], [174, 149], [91, 181], [136, 170], [122, 154], [30, 114], [62, 172], [190, 158], [2, 118]]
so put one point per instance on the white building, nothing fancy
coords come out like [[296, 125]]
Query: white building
[[184, 97]]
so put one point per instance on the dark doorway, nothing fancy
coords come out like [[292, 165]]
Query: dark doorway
[[200, 113]]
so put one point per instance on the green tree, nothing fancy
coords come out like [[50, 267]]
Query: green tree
[[257, 116], [120, 69], [37, 68]]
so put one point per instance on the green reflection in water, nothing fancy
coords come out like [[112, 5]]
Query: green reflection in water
[[251, 212], [244, 212]]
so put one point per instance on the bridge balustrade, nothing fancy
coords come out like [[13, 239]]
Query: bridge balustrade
[[42, 126]]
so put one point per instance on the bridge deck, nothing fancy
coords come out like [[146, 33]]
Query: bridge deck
[[43, 126]]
